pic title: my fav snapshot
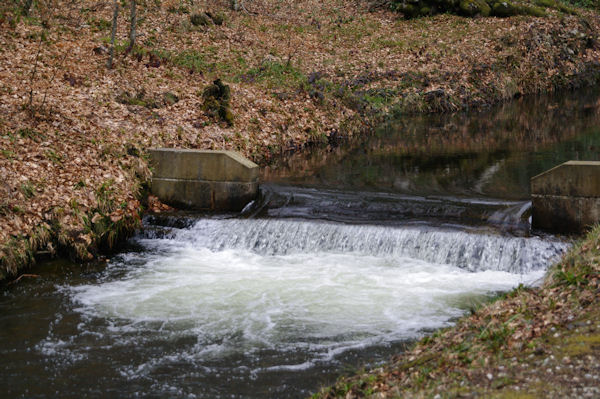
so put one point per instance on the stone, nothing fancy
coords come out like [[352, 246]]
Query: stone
[[200, 19]]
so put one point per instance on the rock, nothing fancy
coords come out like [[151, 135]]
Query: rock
[[475, 7], [100, 50], [170, 98], [217, 19], [216, 101], [201, 19], [504, 9]]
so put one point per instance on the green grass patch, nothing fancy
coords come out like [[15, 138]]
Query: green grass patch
[[274, 75], [31, 134], [28, 189]]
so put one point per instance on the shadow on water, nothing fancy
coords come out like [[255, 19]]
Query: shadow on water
[[352, 252]]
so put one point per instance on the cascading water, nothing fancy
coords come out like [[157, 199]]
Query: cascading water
[[279, 297]]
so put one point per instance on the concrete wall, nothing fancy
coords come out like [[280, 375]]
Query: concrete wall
[[203, 180], [566, 199]]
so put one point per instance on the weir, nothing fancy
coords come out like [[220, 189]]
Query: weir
[[276, 237]]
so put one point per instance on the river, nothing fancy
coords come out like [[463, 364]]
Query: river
[[351, 252]]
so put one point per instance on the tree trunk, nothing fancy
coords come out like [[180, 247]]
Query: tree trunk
[[132, 27], [27, 7], [113, 33]]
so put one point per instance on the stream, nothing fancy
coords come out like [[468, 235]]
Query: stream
[[351, 253]]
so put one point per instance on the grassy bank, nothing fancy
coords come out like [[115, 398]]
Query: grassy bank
[[73, 133], [530, 343]]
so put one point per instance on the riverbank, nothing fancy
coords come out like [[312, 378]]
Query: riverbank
[[74, 134], [530, 343]]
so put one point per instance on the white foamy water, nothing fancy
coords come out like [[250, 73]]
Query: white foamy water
[[301, 292]]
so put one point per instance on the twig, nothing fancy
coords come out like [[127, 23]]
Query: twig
[[23, 275], [109, 63], [52, 79], [35, 62]]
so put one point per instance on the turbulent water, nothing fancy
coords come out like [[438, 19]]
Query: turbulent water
[[242, 301]]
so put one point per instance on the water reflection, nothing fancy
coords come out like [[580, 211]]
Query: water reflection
[[491, 154]]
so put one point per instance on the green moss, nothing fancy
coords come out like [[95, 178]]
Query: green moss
[[531, 10], [504, 9], [581, 344], [475, 7], [216, 101], [275, 75]]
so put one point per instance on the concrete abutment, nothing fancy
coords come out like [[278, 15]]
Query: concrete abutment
[[566, 199], [203, 180]]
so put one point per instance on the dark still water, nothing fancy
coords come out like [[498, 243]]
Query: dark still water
[[350, 253]]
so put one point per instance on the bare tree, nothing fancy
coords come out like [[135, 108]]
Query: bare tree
[[113, 33], [133, 22]]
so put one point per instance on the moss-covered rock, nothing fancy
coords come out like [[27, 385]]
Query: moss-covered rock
[[170, 98], [207, 19], [476, 8], [216, 101], [555, 5], [140, 99], [217, 18], [504, 9], [532, 10], [472, 8]]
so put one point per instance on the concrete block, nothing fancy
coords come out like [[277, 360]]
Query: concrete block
[[573, 178], [204, 195], [203, 180], [170, 163], [566, 199]]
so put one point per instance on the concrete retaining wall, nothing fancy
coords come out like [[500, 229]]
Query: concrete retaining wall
[[566, 199], [203, 180]]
